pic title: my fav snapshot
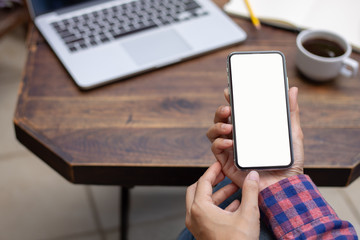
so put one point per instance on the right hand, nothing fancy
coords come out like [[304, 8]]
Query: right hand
[[220, 134], [205, 220]]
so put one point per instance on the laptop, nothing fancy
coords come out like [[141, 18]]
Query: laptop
[[102, 41]]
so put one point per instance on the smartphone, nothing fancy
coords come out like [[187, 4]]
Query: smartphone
[[260, 115]]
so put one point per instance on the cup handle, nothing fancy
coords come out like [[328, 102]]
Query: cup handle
[[350, 67]]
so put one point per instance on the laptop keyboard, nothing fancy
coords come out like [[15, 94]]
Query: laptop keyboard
[[98, 27]]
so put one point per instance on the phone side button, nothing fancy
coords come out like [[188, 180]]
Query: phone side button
[[287, 79]]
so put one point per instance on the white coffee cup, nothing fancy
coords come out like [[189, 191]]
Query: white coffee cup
[[320, 68]]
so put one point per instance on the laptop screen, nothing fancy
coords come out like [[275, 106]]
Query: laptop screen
[[45, 6]]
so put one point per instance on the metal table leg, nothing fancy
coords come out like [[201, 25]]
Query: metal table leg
[[124, 214]]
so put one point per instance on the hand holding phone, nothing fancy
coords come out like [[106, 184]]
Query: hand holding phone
[[220, 135], [260, 110]]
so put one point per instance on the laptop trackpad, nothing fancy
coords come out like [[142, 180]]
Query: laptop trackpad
[[157, 46]]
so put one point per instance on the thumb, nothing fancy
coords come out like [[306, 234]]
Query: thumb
[[250, 193]]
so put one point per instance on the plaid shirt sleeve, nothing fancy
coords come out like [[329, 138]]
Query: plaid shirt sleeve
[[295, 209]]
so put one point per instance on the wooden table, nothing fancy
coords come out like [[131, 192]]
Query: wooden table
[[150, 129]]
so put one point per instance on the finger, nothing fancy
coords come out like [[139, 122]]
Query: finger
[[222, 114], [295, 114], [191, 190], [227, 95], [223, 193], [293, 94], [190, 194], [218, 130], [221, 144], [219, 178], [207, 181], [250, 193], [232, 207], [296, 132]]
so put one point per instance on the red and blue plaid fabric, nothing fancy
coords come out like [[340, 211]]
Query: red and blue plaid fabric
[[295, 209]]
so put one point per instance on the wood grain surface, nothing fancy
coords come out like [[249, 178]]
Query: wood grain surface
[[150, 129]]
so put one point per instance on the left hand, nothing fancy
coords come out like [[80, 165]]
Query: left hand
[[220, 134], [206, 220]]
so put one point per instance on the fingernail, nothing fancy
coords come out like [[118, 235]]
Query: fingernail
[[224, 126], [254, 176]]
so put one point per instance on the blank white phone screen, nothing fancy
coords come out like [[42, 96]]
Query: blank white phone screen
[[260, 110]]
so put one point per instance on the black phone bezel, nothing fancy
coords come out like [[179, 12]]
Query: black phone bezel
[[233, 114]]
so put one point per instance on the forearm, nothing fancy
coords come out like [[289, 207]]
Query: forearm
[[294, 208]]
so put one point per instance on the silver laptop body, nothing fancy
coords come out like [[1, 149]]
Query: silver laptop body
[[126, 51]]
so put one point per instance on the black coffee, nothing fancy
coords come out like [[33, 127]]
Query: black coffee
[[323, 47]]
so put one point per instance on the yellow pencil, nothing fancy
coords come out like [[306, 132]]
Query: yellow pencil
[[253, 18]]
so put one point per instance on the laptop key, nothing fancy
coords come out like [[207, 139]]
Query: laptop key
[[72, 49], [73, 39], [104, 39], [93, 43], [134, 31], [66, 34], [191, 6]]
